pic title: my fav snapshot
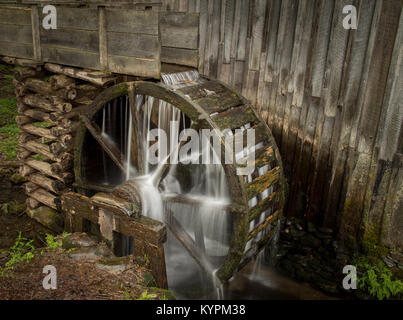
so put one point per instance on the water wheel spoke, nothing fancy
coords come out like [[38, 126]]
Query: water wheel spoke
[[136, 145], [188, 243], [106, 145], [196, 201]]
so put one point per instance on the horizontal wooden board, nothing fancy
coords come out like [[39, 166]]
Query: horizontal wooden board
[[14, 33], [179, 30], [132, 21], [17, 50], [133, 45], [77, 18], [20, 16], [71, 57], [134, 66], [82, 40], [184, 57]]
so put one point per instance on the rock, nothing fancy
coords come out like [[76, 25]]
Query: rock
[[91, 253], [328, 288], [311, 227], [327, 231], [296, 234], [48, 217], [335, 244], [342, 258], [323, 236], [311, 241], [302, 275], [85, 253], [103, 250], [389, 261], [397, 257], [114, 265], [287, 267], [78, 240]]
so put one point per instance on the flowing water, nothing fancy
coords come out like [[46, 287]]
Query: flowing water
[[208, 225]]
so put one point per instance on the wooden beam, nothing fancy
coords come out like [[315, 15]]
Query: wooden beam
[[110, 149]]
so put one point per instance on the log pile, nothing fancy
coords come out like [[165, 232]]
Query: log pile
[[49, 105]]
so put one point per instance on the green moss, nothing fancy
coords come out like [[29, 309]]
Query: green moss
[[38, 157], [370, 242], [43, 124]]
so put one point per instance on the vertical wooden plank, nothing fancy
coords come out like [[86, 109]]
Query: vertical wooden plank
[[385, 30], [259, 15], [215, 39], [391, 123], [209, 36], [102, 32], [36, 42], [202, 34], [243, 31], [228, 29], [350, 90], [283, 100], [272, 39], [320, 54]]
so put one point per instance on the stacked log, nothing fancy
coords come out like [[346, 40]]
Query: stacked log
[[49, 106]]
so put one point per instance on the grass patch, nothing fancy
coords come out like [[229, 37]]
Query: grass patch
[[9, 141], [8, 110]]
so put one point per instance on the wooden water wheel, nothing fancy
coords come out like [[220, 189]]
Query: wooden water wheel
[[256, 200]]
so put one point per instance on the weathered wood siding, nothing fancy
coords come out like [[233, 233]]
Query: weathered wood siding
[[332, 97], [16, 33], [120, 40]]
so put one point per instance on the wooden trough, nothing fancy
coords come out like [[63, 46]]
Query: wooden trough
[[99, 55]]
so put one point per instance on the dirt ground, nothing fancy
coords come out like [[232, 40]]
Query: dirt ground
[[76, 280]]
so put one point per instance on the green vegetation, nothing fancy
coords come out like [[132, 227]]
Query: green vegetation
[[147, 296], [54, 243], [9, 141], [22, 250], [375, 279], [42, 124], [8, 111], [38, 157]]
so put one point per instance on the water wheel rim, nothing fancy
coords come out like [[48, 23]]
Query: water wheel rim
[[236, 256]]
